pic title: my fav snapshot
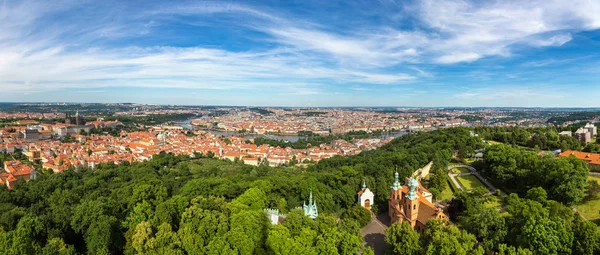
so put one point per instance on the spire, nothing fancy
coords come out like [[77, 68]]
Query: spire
[[412, 185], [310, 209], [396, 182], [364, 186]]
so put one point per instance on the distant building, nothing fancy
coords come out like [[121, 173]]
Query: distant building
[[591, 158], [365, 197], [310, 209], [31, 135], [74, 120], [250, 161], [583, 135], [15, 171], [566, 133], [591, 129], [27, 122], [71, 130], [412, 203]]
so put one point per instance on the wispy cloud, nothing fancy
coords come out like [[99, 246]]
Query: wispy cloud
[[71, 44], [516, 95]]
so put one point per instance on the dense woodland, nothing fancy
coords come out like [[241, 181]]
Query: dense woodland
[[517, 170], [179, 205], [539, 138], [310, 139], [576, 116]]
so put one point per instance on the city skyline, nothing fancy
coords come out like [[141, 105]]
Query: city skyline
[[389, 53]]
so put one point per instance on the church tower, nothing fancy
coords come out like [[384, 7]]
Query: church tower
[[395, 199], [412, 202], [67, 118]]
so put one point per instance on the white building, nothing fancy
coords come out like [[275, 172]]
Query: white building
[[365, 197], [274, 216], [593, 130]]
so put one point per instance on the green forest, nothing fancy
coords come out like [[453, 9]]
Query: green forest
[[174, 204], [312, 139], [539, 138]]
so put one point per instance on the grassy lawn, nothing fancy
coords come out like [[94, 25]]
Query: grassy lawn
[[469, 182], [494, 202], [591, 209], [492, 142], [459, 170], [446, 194]]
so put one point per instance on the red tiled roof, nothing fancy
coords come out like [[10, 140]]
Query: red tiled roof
[[591, 158]]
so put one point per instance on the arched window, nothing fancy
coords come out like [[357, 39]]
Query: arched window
[[415, 207]]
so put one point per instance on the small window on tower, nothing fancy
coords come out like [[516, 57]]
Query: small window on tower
[[414, 206]]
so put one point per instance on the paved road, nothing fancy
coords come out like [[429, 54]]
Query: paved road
[[374, 234], [453, 178]]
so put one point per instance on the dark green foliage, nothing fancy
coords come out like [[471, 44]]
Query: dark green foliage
[[151, 119], [261, 111], [486, 224], [360, 214], [593, 188], [403, 239], [540, 138], [534, 225], [440, 239], [312, 139], [170, 205], [586, 237], [581, 115], [470, 118], [517, 170]]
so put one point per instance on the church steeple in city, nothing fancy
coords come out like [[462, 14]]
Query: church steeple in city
[[310, 209]]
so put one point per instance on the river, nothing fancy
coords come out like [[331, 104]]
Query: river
[[291, 138]]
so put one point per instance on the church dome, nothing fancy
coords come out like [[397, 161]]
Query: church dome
[[413, 182]]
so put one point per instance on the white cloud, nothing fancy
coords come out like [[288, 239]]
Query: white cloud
[[514, 95], [37, 54], [490, 28], [458, 57]]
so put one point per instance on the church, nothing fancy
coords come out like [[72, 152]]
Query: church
[[365, 197], [412, 203], [74, 120]]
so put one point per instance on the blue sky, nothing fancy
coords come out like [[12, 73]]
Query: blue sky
[[302, 53]]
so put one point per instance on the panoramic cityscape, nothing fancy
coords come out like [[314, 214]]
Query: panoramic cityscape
[[314, 127]]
